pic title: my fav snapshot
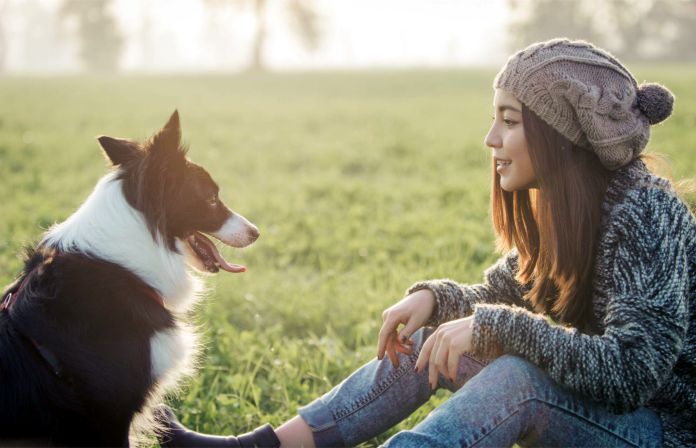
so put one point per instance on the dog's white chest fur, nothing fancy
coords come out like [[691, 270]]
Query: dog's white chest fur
[[108, 228], [101, 227], [171, 353]]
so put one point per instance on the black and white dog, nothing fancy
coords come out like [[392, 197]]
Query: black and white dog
[[90, 331]]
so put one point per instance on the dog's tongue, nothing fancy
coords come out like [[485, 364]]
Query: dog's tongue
[[221, 261]]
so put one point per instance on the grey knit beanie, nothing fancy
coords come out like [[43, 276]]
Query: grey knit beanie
[[588, 96]]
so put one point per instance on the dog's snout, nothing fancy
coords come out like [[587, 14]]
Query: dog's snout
[[254, 233], [237, 231]]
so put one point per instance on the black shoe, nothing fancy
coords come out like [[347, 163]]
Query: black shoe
[[176, 435]]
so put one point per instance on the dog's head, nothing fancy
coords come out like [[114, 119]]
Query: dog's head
[[178, 198]]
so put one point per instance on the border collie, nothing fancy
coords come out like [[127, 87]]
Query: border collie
[[91, 330]]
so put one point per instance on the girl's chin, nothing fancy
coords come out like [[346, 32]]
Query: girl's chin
[[506, 185], [510, 185]]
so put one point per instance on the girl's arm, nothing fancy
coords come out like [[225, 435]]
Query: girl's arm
[[647, 283], [454, 300]]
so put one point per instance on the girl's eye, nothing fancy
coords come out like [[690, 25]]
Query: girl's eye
[[509, 122]]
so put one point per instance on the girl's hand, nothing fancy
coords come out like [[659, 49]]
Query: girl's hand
[[444, 347], [413, 311]]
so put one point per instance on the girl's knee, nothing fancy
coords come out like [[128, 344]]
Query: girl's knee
[[519, 377], [514, 365]]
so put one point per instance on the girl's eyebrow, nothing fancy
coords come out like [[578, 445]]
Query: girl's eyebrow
[[505, 107]]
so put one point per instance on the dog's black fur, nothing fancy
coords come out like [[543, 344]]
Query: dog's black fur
[[97, 319], [75, 345]]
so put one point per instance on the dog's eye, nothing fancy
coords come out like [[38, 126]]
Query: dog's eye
[[213, 202]]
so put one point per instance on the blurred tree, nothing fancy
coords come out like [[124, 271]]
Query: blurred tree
[[303, 21], [684, 38], [631, 29], [100, 41], [536, 20], [30, 30], [144, 36]]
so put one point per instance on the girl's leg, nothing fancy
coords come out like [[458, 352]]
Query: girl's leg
[[373, 399], [512, 401]]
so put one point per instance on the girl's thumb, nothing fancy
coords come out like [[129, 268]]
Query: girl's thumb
[[407, 331]]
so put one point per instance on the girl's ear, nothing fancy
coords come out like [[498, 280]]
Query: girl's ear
[[168, 139], [120, 151]]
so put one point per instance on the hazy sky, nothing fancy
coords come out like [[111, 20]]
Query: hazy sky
[[185, 35]]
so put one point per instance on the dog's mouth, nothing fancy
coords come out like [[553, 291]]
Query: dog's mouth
[[209, 256]]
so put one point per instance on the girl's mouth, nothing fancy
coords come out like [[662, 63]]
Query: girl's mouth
[[501, 165]]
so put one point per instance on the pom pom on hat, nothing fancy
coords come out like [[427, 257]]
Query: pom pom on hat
[[655, 101]]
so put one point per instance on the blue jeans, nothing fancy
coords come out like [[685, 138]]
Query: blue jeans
[[505, 402]]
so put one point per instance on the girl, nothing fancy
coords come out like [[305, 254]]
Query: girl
[[584, 333]]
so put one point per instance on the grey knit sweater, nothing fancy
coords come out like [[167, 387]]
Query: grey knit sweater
[[644, 303]]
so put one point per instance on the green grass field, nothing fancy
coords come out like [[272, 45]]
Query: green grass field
[[360, 183]]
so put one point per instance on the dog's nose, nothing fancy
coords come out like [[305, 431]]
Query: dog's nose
[[254, 234]]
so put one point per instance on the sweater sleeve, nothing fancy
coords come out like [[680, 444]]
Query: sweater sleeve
[[646, 316], [454, 300]]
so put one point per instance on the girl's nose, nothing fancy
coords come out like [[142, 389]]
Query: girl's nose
[[492, 139]]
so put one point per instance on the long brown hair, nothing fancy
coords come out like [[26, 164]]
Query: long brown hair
[[555, 228]]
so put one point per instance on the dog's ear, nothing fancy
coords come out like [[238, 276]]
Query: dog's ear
[[169, 137], [119, 150]]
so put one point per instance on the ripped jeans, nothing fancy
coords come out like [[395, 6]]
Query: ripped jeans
[[505, 402]]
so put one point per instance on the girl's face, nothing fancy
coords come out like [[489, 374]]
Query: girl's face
[[507, 140]]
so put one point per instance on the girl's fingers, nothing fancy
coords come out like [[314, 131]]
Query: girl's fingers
[[425, 353], [432, 368], [387, 331], [381, 343], [391, 351], [453, 365], [406, 349], [438, 362], [407, 331]]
